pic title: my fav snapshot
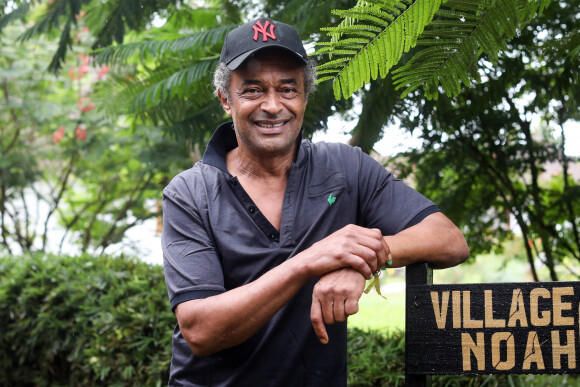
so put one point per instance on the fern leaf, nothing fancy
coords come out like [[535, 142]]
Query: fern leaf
[[336, 88], [17, 13], [344, 42], [64, 43], [160, 48], [361, 15], [336, 63], [451, 44], [327, 78], [176, 85], [374, 57], [391, 27]]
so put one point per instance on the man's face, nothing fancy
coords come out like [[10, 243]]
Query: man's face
[[267, 103]]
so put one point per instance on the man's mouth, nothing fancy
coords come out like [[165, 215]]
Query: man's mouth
[[271, 125]]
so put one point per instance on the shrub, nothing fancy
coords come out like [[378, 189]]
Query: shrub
[[83, 321]]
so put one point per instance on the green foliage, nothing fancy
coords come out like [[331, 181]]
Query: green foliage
[[488, 167], [63, 164], [110, 20], [83, 321], [375, 359], [370, 40], [102, 321], [165, 78], [451, 36], [460, 33]]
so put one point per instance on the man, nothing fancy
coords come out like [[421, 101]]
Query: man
[[269, 239]]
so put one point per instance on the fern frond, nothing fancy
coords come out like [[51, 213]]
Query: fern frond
[[16, 14], [363, 30], [461, 32], [391, 27], [159, 48], [64, 44], [335, 64], [153, 95], [55, 12], [175, 86], [51, 19]]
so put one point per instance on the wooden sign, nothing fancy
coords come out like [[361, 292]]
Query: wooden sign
[[515, 328]]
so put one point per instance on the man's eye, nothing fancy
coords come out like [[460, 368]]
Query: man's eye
[[288, 91]]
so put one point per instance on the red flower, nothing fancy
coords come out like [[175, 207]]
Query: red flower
[[84, 58], [57, 135], [104, 70], [83, 107], [73, 74], [80, 133]]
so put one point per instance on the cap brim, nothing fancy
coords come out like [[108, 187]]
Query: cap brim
[[236, 62]]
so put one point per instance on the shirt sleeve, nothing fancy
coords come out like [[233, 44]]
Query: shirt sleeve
[[191, 263], [386, 202]]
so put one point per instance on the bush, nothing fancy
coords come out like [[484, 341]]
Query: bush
[[106, 322], [83, 321]]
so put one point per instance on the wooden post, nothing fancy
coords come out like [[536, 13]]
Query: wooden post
[[416, 274]]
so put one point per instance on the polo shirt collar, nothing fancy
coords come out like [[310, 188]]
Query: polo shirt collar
[[224, 140]]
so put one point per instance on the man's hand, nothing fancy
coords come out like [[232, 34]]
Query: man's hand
[[359, 248], [335, 297]]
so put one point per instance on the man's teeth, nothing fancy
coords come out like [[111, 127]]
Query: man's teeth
[[272, 126]]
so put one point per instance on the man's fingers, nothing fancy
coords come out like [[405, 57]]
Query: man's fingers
[[327, 307], [350, 307], [383, 253], [339, 314], [317, 322], [387, 249]]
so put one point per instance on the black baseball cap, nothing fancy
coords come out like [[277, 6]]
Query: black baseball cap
[[256, 35]]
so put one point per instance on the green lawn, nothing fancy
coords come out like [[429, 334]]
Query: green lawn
[[379, 314]]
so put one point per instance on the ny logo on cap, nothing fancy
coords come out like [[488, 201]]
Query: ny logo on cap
[[259, 29]]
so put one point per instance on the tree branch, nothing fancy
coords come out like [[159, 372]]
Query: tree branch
[[14, 117], [571, 213], [56, 200]]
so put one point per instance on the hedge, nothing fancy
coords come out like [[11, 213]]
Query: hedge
[[83, 321], [103, 321]]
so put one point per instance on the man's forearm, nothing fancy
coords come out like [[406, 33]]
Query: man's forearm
[[228, 319], [435, 240]]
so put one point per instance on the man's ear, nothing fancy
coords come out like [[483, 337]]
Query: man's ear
[[225, 103]]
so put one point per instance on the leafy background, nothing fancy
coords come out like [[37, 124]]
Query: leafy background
[[103, 102]]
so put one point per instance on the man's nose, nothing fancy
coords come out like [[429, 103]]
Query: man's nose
[[271, 103]]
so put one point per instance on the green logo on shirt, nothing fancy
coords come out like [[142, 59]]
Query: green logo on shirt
[[331, 199]]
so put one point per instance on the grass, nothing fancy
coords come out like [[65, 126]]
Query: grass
[[387, 315], [379, 314]]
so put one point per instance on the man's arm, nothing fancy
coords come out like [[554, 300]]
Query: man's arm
[[222, 321], [435, 240]]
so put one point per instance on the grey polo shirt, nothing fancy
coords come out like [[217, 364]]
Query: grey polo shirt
[[215, 239]]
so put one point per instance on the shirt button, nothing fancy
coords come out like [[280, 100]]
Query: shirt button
[[252, 209]]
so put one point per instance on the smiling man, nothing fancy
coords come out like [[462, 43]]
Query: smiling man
[[269, 239]]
